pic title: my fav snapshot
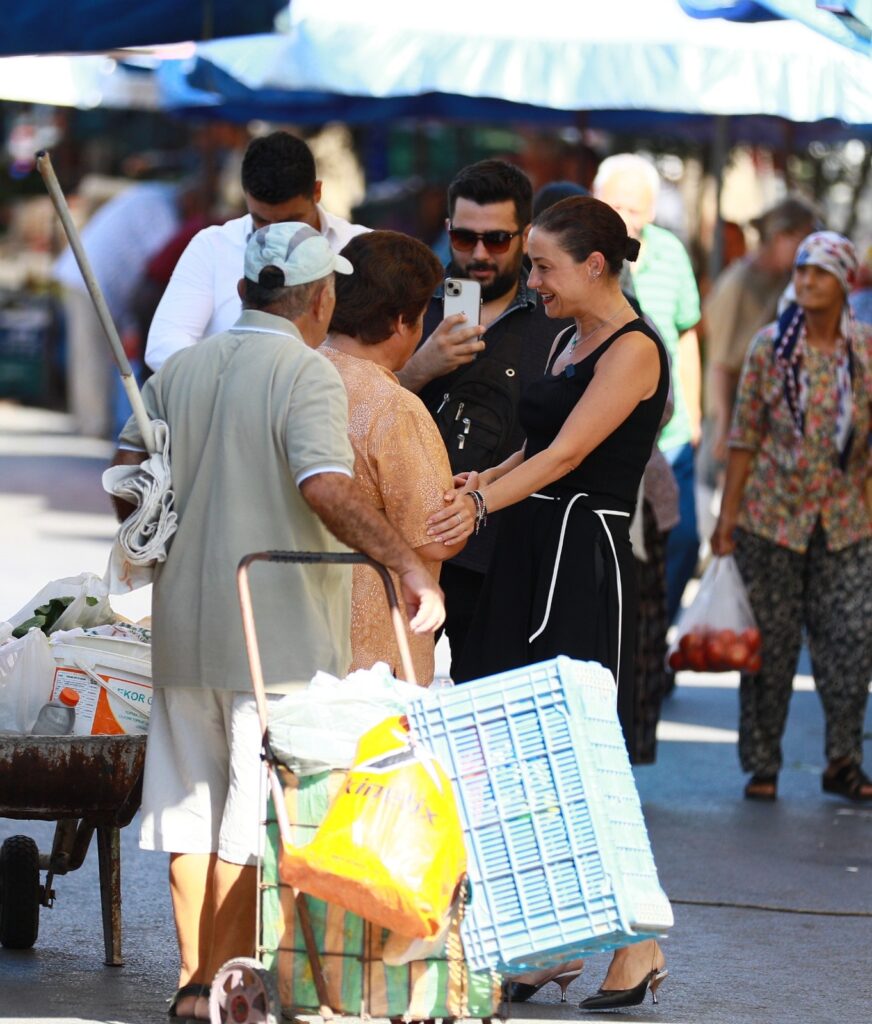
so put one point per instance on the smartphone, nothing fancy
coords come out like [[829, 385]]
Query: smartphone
[[461, 295]]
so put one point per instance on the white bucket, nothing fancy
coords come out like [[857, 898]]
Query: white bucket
[[112, 676]]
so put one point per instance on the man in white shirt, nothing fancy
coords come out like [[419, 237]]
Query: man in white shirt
[[278, 179]]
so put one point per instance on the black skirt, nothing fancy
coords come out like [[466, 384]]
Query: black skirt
[[562, 581]]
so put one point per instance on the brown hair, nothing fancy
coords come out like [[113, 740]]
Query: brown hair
[[583, 225], [792, 215], [394, 278]]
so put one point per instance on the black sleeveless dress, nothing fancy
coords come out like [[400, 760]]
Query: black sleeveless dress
[[563, 579]]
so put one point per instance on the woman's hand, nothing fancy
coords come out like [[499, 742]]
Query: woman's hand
[[455, 522], [464, 483], [722, 540]]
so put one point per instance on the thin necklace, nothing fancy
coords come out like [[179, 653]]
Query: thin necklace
[[576, 341]]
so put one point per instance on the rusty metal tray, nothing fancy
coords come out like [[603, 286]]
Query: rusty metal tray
[[48, 778], [86, 784]]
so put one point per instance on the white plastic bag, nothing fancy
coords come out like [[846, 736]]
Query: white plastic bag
[[718, 631], [317, 729], [26, 675], [89, 607]]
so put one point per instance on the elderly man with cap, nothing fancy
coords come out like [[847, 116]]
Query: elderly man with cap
[[260, 460]]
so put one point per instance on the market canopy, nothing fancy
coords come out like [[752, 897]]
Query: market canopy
[[635, 65], [95, 26], [848, 22]]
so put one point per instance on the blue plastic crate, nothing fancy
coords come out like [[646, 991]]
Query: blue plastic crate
[[559, 859]]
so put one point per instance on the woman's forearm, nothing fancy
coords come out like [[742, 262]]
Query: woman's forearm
[[488, 476], [739, 464], [738, 467], [524, 478]]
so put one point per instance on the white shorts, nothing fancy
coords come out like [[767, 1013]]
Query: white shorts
[[204, 787]]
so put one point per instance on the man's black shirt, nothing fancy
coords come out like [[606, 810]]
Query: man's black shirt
[[525, 328]]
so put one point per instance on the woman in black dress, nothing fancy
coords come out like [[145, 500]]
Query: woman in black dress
[[563, 580]]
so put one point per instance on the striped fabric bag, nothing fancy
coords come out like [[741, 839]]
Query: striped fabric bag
[[358, 980]]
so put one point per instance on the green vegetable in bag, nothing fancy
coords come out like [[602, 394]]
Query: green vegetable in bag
[[47, 615]]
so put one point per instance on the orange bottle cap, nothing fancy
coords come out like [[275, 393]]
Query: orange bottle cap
[[69, 696]]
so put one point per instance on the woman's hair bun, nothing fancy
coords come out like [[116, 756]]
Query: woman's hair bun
[[631, 253]]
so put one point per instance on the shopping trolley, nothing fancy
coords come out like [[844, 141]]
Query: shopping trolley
[[312, 956]]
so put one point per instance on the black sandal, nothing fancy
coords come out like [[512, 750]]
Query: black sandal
[[849, 781], [193, 988], [762, 787]]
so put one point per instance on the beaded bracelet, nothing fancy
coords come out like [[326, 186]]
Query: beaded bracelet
[[480, 510]]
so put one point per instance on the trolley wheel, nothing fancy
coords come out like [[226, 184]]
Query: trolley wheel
[[244, 992], [19, 892]]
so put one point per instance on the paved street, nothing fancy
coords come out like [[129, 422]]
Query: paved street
[[773, 904]]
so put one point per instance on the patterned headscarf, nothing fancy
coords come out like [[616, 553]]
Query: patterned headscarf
[[831, 252], [834, 253]]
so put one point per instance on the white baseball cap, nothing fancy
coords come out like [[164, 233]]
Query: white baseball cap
[[298, 250]]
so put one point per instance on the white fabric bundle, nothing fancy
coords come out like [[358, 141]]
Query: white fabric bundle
[[142, 539]]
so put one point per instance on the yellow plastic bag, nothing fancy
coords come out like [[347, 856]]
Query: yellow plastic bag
[[391, 847]]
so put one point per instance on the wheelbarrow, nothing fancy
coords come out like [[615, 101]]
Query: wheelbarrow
[[85, 784]]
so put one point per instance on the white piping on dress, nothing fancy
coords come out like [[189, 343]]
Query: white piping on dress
[[572, 501], [601, 514]]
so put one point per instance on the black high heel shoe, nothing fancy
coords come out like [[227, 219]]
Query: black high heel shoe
[[615, 999], [521, 991]]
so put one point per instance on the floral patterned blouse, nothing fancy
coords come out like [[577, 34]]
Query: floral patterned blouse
[[401, 464], [794, 481]]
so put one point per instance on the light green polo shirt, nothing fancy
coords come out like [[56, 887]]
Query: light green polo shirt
[[666, 291], [250, 411]]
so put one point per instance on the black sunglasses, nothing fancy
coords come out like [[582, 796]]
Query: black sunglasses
[[465, 240]]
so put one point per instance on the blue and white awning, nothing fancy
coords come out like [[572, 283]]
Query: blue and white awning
[[848, 22], [634, 61]]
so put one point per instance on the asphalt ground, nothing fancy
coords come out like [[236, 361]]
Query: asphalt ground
[[773, 903]]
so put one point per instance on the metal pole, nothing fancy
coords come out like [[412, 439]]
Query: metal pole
[[43, 164], [720, 152]]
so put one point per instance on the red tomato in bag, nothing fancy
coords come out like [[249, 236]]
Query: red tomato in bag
[[695, 652], [715, 651], [737, 654], [751, 637]]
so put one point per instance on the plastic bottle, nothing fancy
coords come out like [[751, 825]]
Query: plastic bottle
[[58, 717]]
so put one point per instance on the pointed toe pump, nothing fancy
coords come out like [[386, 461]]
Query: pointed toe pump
[[615, 999]]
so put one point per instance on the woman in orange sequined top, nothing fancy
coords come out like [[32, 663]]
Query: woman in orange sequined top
[[400, 460], [795, 513]]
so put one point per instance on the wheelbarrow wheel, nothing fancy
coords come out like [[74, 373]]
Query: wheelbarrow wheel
[[244, 992], [19, 892]]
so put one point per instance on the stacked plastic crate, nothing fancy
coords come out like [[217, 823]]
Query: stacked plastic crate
[[560, 864]]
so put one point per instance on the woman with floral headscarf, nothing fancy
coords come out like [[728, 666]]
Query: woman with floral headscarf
[[795, 513]]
